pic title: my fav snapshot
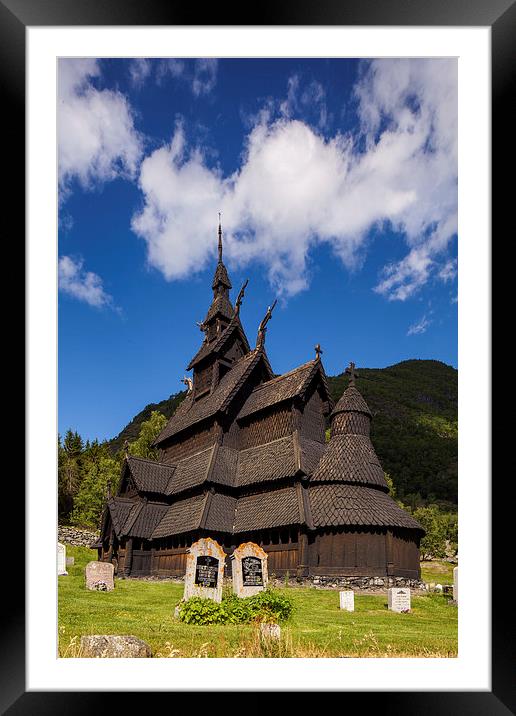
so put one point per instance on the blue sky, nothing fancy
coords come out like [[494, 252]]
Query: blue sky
[[337, 183]]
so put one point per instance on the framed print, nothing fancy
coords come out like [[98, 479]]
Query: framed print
[[141, 151]]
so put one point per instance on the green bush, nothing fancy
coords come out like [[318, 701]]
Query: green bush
[[266, 606]]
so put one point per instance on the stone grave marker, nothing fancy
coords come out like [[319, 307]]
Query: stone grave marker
[[456, 584], [61, 559], [270, 631], [204, 570], [70, 561], [100, 576], [399, 599], [249, 567], [347, 600], [107, 646]]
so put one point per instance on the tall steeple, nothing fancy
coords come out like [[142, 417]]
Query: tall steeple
[[221, 309]]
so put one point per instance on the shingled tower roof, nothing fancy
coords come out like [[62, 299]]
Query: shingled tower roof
[[348, 486], [221, 286]]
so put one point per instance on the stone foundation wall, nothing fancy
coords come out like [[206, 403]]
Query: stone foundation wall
[[355, 583], [75, 536]]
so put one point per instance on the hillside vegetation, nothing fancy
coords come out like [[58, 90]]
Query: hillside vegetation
[[414, 430]]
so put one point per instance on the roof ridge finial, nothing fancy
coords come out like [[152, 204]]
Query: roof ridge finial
[[318, 351], [260, 340], [240, 296], [188, 382], [220, 239], [351, 372]]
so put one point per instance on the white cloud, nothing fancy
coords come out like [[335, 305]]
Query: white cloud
[[448, 271], [200, 75], [419, 327], [205, 76], [174, 68], [139, 71], [84, 285], [97, 140], [295, 188]]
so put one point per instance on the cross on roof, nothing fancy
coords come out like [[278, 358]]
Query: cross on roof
[[351, 372], [318, 352]]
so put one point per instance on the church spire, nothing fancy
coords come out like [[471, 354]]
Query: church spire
[[221, 282], [220, 240]]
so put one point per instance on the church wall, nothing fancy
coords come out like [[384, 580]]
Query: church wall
[[348, 551], [202, 379], [312, 419], [186, 446], [335, 552], [262, 428], [404, 554]]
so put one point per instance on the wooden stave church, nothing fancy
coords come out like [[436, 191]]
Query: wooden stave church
[[244, 458]]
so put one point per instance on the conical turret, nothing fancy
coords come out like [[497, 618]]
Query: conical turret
[[350, 456]]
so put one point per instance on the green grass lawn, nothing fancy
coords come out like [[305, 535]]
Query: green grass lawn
[[318, 627], [437, 571]]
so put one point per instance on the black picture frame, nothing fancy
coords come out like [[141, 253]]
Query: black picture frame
[[500, 15]]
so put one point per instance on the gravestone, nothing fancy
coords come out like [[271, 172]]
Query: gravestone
[[61, 559], [399, 599], [107, 646], [100, 576], [204, 570], [347, 600], [70, 561], [270, 631], [456, 584], [249, 568]]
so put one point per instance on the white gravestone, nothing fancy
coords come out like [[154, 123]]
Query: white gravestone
[[347, 600], [249, 568], [270, 631], [456, 584], [100, 576], [204, 570], [399, 599], [61, 559]]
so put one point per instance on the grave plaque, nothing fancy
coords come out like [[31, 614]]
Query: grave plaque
[[204, 570], [252, 572], [207, 572], [61, 559], [100, 576], [347, 600], [456, 584], [249, 567], [399, 599]]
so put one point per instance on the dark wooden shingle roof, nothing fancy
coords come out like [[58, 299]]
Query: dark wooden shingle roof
[[336, 505], [350, 458], [149, 475], [220, 514], [282, 388], [265, 510], [351, 400], [119, 509], [218, 344], [147, 520], [182, 516], [220, 304], [271, 461], [207, 407], [191, 471]]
